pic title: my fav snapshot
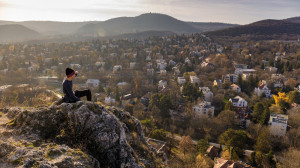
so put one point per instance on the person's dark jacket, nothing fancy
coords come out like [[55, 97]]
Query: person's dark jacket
[[69, 96]]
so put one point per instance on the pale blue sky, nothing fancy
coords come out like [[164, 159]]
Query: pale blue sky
[[228, 11]]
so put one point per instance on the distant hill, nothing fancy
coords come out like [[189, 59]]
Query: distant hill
[[293, 19], [141, 23], [262, 29], [13, 32], [211, 26]]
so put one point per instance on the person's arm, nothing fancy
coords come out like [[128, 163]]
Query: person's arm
[[70, 92]]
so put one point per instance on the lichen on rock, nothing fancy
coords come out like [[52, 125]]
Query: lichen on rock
[[83, 134]]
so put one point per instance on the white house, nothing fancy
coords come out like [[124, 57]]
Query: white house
[[181, 80], [271, 69], [117, 68], [194, 79], [204, 108], [208, 95], [247, 71], [162, 83], [278, 124], [297, 88], [75, 66], [150, 72], [132, 65], [231, 78], [277, 84], [100, 64], [238, 101], [263, 88], [161, 65], [149, 65], [163, 72], [235, 88], [187, 60], [92, 83]]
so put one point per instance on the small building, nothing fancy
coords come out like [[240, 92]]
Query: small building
[[212, 152], [263, 88], [239, 102], [132, 65], [163, 72], [117, 68], [99, 64], [271, 69], [162, 65], [231, 78], [181, 80], [208, 95], [149, 65], [204, 108], [235, 87], [75, 66], [278, 124], [92, 83], [162, 83], [297, 88], [194, 79], [150, 72], [277, 84]]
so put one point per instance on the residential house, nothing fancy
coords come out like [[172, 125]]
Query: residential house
[[235, 87], [117, 68], [194, 79], [204, 108], [162, 83], [278, 124], [100, 64], [244, 71], [92, 83], [75, 66], [212, 152], [162, 65], [149, 65], [207, 65], [223, 163], [240, 66], [271, 69], [163, 72], [208, 95], [187, 61], [122, 84], [239, 102], [176, 71], [277, 77], [132, 65], [150, 72], [181, 80], [263, 88], [231, 78], [148, 58], [297, 88]]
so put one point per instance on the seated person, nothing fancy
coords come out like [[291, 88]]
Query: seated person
[[69, 96]]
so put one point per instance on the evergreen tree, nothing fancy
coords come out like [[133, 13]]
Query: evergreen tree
[[257, 112]]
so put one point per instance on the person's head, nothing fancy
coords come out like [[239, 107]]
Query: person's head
[[71, 74]]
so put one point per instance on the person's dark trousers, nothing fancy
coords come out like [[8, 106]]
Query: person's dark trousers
[[83, 93]]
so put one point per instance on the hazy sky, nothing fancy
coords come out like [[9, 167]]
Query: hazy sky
[[229, 11]]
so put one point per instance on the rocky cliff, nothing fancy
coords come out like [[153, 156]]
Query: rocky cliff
[[72, 135]]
